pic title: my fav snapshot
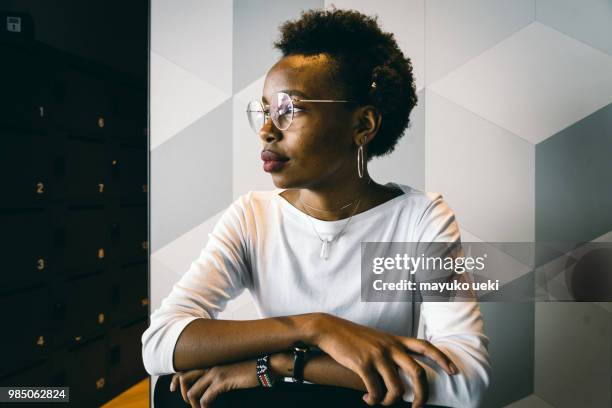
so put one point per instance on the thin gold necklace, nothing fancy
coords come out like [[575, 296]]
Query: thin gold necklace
[[334, 210], [326, 242], [328, 211]]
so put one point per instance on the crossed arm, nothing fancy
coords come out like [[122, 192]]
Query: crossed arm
[[356, 356], [201, 387]]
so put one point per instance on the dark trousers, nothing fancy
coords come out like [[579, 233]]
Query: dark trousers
[[285, 395]]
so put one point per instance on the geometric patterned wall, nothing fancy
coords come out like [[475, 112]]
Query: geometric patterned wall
[[513, 127]]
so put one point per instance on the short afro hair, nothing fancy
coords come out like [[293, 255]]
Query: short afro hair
[[364, 54]]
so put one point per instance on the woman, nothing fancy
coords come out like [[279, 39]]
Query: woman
[[340, 95]]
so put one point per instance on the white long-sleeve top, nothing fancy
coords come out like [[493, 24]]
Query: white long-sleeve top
[[264, 244]]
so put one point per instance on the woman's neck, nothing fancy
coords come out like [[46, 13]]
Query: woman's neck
[[341, 201]]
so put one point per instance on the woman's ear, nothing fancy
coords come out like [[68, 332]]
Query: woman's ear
[[368, 124]]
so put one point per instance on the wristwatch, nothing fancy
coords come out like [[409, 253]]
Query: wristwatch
[[300, 351]]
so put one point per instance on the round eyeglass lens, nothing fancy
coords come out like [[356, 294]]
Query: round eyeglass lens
[[257, 116], [281, 110]]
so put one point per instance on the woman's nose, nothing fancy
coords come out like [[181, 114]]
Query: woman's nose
[[269, 132]]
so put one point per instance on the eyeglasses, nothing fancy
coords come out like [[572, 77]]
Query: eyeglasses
[[281, 109]]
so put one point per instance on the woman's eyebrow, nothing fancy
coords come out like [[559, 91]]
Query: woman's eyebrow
[[295, 92], [290, 92]]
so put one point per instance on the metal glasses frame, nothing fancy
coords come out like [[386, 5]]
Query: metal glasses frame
[[268, 115]]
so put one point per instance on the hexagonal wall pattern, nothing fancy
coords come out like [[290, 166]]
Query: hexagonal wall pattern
[[589, 21], [513, 127], [407, 162], [181, 36], [485, 171], [533, 83], [256, 25], [458, 31], [571, 182]]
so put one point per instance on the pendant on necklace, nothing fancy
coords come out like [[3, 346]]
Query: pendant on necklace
[[325, 244]]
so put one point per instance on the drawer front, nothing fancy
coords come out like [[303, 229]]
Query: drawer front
[[27, 89], [84, 110], [88, 373], [27, 244], [126, 366], [87, 173], [131, 286], [87, 241], [129, 108], [133, 234], [25, 337], [26, 169], [133, 175], [87, 307]]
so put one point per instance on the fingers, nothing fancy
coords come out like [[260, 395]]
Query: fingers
[[174, 382], [373, 385], [395, 388], [211, 393], [184, 388], [417, 375], [198, 388], [429, 350], [183, 380]]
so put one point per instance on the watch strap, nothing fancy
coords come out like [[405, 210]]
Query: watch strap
[[300, 350]]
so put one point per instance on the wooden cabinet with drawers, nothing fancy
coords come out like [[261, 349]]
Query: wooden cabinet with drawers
[[73, 214]]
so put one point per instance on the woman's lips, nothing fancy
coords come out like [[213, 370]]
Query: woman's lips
[[273, 165], [273, 161], [269, 155]]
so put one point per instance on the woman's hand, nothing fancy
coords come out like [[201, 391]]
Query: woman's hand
[[200, 387], [376, 355]]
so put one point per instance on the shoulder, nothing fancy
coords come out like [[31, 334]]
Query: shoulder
[[256, 198], [432, 215], [254, 203], [422, 202]]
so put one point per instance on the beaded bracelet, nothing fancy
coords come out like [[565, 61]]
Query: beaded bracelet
[[263, 372]]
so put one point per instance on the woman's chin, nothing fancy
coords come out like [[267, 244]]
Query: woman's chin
[[282, 181]]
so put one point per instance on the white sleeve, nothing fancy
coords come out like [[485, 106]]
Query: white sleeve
[[456, 328], [220, 273]]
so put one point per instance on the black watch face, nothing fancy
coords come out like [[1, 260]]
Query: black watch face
[[300, 345]]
